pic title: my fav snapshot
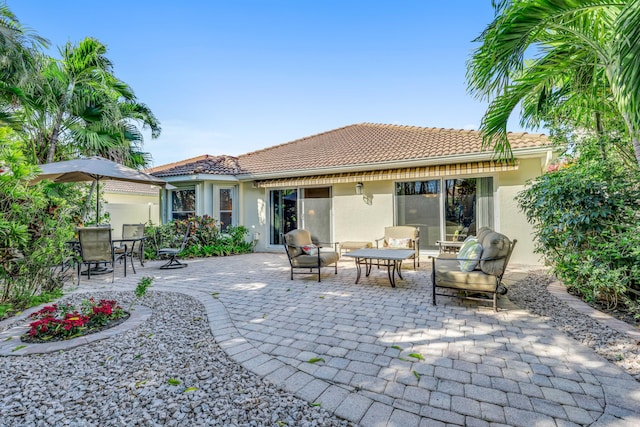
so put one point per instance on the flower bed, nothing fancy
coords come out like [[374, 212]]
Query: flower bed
[[60, 322]]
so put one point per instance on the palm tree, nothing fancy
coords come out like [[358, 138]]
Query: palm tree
[[81, 108], [18, 44], [572, 61]]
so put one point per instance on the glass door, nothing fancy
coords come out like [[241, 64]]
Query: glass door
[[284, 213], [315, 207], [468, 205], [418, 204]]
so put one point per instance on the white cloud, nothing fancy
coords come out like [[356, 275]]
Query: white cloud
[[470, 127]]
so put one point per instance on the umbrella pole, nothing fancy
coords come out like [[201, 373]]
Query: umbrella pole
[[98, 202]]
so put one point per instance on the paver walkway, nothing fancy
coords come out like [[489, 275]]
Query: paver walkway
[[381, 356]]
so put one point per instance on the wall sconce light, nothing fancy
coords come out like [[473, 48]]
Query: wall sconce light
[[359, 188]]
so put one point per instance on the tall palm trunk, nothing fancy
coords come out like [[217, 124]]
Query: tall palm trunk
[[57, 124]]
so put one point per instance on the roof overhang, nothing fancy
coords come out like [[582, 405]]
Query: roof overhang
[[535, 152], [407, 173], [201, 177]]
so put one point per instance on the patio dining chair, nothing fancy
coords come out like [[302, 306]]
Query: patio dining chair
[[172, 253], [131, 243], [96, 248]]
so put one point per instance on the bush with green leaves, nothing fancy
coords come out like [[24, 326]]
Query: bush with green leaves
[[35, 223], [205, 238], [586, 226]]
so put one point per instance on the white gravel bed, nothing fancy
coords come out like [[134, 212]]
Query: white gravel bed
[[532, 294], [125, 380]]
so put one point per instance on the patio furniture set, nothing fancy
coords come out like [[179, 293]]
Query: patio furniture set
[[471, 269], [96, 249]]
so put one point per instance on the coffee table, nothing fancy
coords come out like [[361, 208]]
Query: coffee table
[[390, 258]]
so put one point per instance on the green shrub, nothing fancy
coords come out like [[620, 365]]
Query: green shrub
[[205, 238], [585, 218], [35, 223]]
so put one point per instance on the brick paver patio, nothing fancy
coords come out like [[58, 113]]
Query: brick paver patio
[[381, 356]]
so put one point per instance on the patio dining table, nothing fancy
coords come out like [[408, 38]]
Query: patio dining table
[[390, 258]]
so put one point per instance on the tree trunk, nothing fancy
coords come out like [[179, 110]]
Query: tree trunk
[[635, 137], [88, 204], [600, 132], [636, 147]]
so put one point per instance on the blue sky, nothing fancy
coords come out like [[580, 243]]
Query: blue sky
[[229, 77]]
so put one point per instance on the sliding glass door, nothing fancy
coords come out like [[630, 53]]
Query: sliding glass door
[[418, 204], [468, 205], [284, 213], [448, 209], [308, 208], [315, 206]]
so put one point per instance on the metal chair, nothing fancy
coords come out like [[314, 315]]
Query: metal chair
[[172, 253], [131, 243], [402, 237], [96, 248], [304, 255]]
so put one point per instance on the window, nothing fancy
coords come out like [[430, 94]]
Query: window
[[226, 208], [183, 203], [418, 204], [467, 204]]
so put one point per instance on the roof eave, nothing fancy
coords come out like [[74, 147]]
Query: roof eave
[[201, 177]]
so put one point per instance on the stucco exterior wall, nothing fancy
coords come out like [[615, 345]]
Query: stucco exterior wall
[[253, 212], [362, 217], [512, 222], [130, 209]]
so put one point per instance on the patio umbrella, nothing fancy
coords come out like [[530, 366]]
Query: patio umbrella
[[94, 169]]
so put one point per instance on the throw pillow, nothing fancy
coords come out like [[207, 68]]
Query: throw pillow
[[469, 255], [310, 249], [394, 243]]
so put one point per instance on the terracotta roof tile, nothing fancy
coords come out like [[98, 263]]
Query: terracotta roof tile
[[358, 144], [214, 165], [369, 143], [111, 185]]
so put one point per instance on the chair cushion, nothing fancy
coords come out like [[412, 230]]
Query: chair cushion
[[495, 245], [482, 231], [326, 258], [469, 255], [401, 232], [449, 276], [297, 237]]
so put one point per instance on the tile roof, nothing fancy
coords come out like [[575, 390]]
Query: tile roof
[[349, 146], [114, 186], [207, 164], [370, 143]]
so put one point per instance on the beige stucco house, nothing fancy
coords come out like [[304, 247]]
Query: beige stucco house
[[348, 184]]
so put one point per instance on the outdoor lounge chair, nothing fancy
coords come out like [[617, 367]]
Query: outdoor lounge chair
[[303, 254], [172, 253], [96, 248], [402, 237], [476, 272]]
